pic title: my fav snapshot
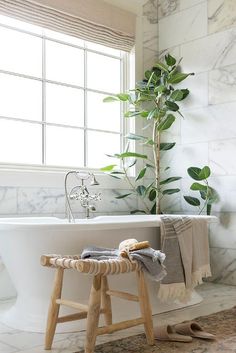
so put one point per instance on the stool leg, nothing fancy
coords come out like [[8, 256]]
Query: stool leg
[[106, 301], [93, 315], [145, 307], [54, 308]]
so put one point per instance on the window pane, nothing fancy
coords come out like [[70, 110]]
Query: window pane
[[64, 37], [103, 73], [104, 116], [9, 21], [64, 63], [20, 142], [64, 105], [20, 97], [64, 146], [100, 144], [103, 49], [20, 52]]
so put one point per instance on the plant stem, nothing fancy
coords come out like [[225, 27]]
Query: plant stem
[[133, 187], [156, 157]]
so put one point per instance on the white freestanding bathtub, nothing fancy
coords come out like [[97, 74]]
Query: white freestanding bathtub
[[24, 240]]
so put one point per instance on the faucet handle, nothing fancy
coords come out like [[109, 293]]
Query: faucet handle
[[96, 197]]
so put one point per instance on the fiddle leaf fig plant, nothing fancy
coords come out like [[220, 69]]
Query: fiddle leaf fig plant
[[155, 100], [208, 195]]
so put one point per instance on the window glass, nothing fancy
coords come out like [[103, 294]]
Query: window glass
[[20, 142], [20, 52], [103, 73], [64, 146], [100, 144], [64, 105], [102, 116], [64, 63], [63, 37], [103, 49], [20, 97]]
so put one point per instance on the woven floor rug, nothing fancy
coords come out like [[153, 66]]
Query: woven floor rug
[[222, 324]]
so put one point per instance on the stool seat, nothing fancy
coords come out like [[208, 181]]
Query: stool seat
[[99, 299]]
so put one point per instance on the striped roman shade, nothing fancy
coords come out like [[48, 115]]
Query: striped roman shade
[[91, 20]]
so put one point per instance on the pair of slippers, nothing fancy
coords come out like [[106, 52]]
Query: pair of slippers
[[182, 332]]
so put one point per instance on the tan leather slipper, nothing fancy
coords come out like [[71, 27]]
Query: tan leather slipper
[[193, 329], [167, 333]]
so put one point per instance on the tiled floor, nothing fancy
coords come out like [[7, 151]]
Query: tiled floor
[[217, 297]]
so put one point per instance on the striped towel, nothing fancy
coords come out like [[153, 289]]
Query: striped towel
[[185, 243]]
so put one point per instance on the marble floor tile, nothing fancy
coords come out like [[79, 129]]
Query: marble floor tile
[[216, 297]]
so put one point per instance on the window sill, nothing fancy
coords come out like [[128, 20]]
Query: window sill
[[49, 177]]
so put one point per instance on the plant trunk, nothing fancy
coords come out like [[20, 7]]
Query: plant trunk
[[156, 155]]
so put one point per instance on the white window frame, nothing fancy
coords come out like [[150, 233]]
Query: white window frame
[[23, 169]]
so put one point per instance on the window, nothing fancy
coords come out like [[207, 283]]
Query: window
[[51, 98]]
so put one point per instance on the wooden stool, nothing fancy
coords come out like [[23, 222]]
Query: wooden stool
[[99, 299]]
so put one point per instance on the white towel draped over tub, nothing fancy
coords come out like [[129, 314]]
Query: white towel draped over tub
[[185, 243]]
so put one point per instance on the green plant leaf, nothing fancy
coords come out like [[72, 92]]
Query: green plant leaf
[[205, 173], [137, 211], [141, 174], [198, 187], [124, 97], [194, 172], [153, 209], [170, 60], [117, 172], [147, 74], [152, 194], [110, 99], [135, 137], [170, 191], [185, 92], [141, 189], [144, 114], [169, 180], [131, 114], [108, 168], [162, 67], [172, 106], [166, 123], [150, 165], [152, 114], [178, 77], [192, 200], [177, 95], [165, 146], [132, 164], [133, 154], [123, 196], [208, 209]]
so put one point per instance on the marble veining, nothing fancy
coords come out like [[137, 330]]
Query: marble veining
[[167, 7], [150, 11], [221, 15], [222, 85]]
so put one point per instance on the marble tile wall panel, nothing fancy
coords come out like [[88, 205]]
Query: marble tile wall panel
[[8, 204], [40, 200], [223, 265], [198, 87], [222, 84], [150, 33], [184, 4], [221, 158], [210, 52], [168, 7], [183, 156], [209, 123], [223, 233], [183, 26], [221, 15]]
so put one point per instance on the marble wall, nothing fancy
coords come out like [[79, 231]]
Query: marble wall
[[203, 32]]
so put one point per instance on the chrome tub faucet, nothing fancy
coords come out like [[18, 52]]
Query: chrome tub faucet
[[81, 193]]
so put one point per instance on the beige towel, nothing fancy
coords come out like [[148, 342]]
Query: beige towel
[[185, 243]]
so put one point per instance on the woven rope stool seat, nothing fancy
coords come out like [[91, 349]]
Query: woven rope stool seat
[[99, 299]]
